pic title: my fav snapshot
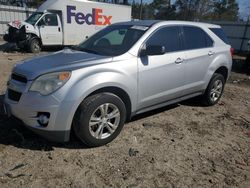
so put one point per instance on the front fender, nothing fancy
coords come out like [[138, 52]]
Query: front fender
[[85, 85]]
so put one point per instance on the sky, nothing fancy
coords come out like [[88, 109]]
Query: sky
[[244, 6]]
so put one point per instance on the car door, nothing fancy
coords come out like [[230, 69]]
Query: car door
[[50, 29], [161, 77], [199, 55]]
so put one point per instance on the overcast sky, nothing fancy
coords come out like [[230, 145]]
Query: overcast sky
[[244, 6]]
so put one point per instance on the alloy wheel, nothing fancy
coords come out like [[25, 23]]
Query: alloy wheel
[[104, 121]]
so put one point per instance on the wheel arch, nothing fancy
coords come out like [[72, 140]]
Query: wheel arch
[[123, 95], [34, 36], [223, 70]]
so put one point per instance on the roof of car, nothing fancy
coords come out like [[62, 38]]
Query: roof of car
[[149, 23]]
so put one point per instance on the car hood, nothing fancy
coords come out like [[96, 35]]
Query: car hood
[[65, 60], [18, 24]]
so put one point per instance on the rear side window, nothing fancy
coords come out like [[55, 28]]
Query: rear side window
[[196, 38], [220, 33], [167, 37]]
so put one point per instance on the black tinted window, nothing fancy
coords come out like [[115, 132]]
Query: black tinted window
[[196, 38], [219, 32], [167, 37]]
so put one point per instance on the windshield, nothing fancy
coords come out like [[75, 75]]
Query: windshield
[[34, 17], [113, 40]]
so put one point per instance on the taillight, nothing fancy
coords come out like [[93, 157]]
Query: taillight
[[232, 51]]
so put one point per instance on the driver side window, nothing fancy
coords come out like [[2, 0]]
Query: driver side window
[[49, 20], [169, 37]]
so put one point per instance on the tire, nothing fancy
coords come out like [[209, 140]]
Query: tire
[[214, 90], [6, 38], [96, 110], [34, 46]]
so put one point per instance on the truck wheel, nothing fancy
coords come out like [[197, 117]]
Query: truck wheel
[[6, 38], [214, 90], [99, 119], [35, 46]]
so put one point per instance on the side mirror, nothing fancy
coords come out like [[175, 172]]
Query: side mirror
[[152, 50]]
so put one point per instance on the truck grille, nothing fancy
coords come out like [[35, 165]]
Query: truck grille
[[16, 35], [14, 95], [19, 78]]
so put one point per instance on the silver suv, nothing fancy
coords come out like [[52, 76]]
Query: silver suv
[[123, 70]]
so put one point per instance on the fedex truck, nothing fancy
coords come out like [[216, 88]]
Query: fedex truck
[[64, 22]]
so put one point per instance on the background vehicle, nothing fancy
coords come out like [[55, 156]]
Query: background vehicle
[[247, 63], [123, 70], [64, 22]]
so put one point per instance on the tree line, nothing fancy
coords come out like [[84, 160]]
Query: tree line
[[194, 10]]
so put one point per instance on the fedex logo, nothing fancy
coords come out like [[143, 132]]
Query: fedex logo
[[94, 18]]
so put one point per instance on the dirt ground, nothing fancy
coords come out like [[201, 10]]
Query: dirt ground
[[184, 145]]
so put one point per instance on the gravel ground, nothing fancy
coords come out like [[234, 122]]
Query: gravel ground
[[183, 145]]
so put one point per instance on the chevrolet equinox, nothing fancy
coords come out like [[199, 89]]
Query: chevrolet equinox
[[123, 70]]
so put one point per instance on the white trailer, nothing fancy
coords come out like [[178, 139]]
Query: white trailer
[[64, 22]]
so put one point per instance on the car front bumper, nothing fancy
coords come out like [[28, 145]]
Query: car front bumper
[[31, 104]]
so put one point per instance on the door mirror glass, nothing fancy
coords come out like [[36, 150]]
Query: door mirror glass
[[153, 50]]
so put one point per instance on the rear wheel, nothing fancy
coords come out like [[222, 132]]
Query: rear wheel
[[99, 119], [214, 90], [35, 46]]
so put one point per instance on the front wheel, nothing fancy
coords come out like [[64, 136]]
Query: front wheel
[[35, 46], [99, 119], [214, 90]]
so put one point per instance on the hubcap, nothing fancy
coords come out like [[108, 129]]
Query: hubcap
[[104, 121], [36, 46], [216, 90]]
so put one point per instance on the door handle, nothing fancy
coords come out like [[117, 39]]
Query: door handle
[[210, 53], [59, 29], [179, 60]]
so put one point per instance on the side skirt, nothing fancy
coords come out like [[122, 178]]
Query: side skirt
[[166, 103]]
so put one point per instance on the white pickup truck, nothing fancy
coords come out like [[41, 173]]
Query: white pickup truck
[[64, 22]]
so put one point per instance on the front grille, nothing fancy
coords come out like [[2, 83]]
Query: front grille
[[16, 35], [14, 95], [19, 78]]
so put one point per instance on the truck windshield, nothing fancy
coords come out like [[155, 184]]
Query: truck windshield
[[34, 17], [113, 40]]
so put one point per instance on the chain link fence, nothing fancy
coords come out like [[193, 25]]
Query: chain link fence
[[238, 34], [12, 13]]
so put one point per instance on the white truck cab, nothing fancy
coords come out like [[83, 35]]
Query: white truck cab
[[64, 22]]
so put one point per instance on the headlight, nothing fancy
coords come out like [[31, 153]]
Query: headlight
[[48, 83]]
